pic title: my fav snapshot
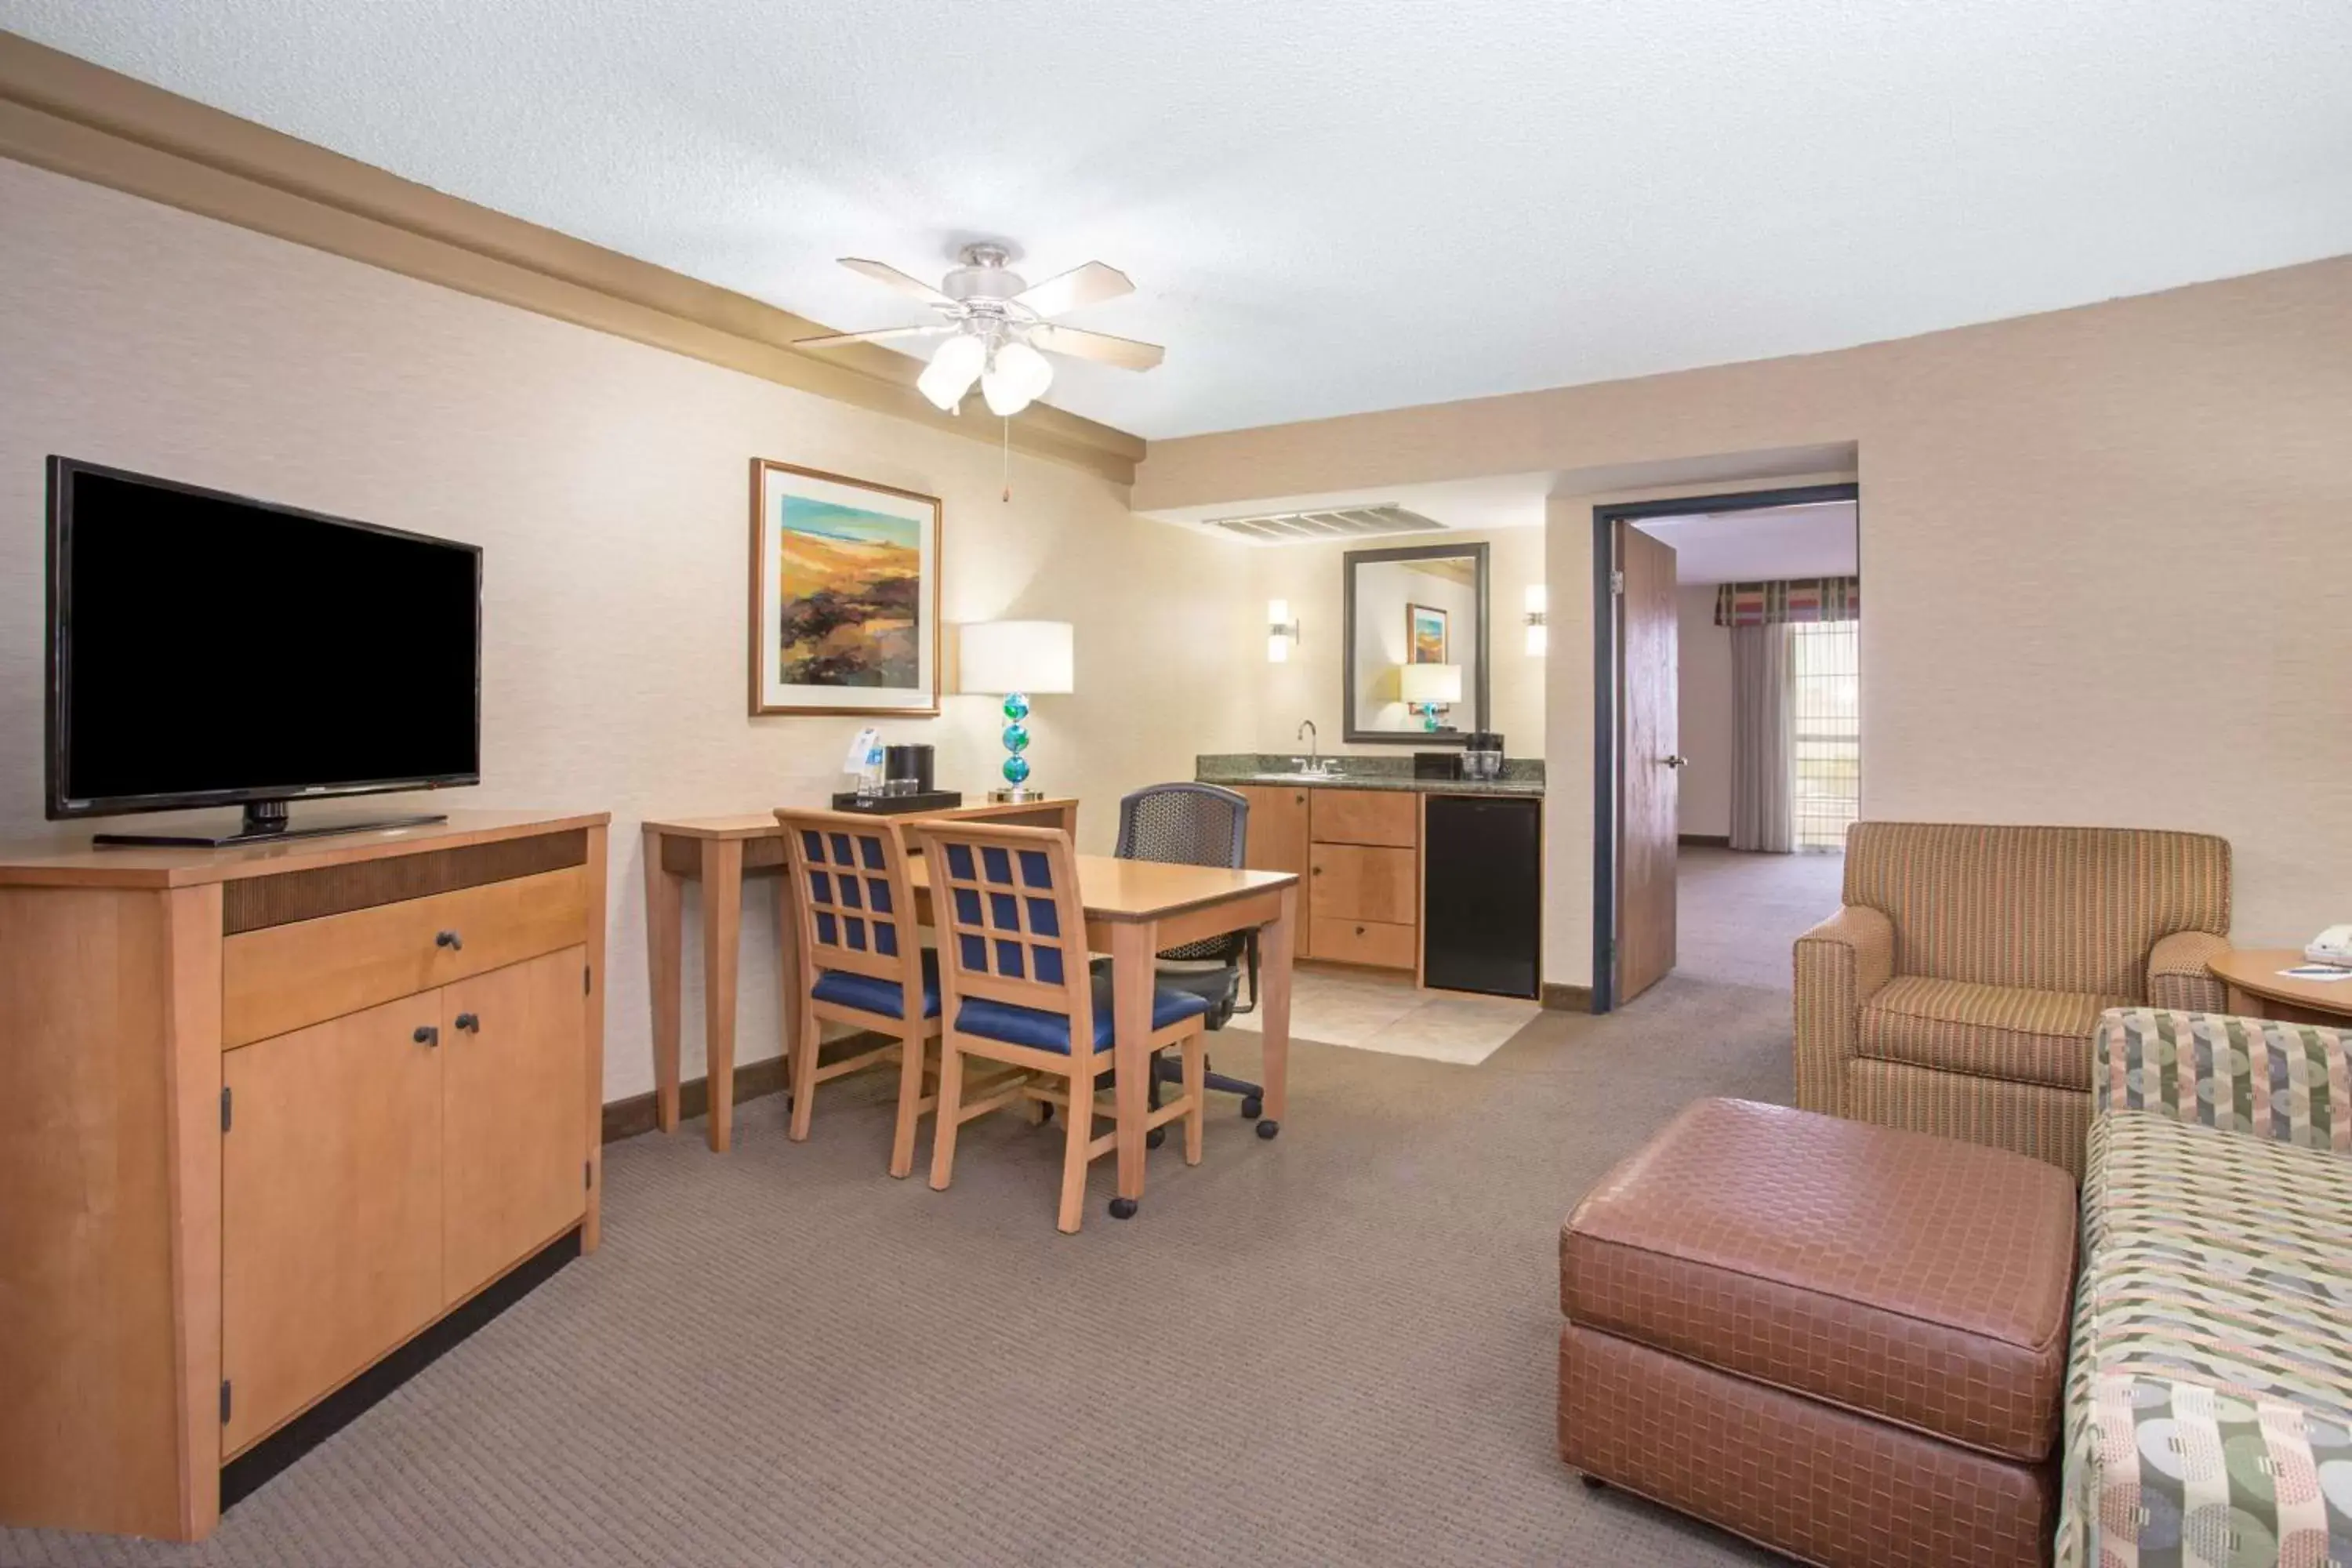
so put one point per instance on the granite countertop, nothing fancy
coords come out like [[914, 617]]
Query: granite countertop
[[1522, 777]]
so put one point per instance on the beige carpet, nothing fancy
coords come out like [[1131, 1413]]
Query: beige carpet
[[1335, 1348]]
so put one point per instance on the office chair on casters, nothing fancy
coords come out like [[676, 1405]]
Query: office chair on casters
[[1198, 824]]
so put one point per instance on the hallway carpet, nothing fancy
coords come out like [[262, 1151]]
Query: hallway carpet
[[1335, 1348]]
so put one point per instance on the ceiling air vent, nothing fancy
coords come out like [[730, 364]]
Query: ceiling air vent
[[1336, 522]]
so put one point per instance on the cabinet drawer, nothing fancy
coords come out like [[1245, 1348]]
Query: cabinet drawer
[[1355, 882], [287, 976], [1374, 943], [1366, 816]]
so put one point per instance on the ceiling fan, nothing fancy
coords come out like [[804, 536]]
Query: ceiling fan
[[996, 323]]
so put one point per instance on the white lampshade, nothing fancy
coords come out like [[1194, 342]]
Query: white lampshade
[[1032, 657], [952, 370], [1017, 378], [1423, 683]]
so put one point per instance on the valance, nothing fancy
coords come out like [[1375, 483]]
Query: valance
[[1804, 599]]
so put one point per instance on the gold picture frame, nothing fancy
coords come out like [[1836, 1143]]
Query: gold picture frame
[[844, 595]]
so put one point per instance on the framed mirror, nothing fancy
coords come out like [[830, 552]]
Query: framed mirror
[[1415, 671]]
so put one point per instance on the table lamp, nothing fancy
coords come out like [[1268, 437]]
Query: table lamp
[[1016, 660], [1426, 687]]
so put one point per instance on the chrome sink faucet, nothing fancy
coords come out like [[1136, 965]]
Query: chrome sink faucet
[[1306, 733]]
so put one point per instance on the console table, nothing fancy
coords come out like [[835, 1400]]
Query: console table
[[285, 1121], [719, 852]]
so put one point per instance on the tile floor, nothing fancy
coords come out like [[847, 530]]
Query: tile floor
[[1369, 1011]]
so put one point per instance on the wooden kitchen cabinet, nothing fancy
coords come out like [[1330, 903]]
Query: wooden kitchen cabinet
[[1363, 880], [1278, 842], [1278, 829]]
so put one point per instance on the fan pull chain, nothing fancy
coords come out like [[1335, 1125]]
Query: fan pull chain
[[1008, 459]]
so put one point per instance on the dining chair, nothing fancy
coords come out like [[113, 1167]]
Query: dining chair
[[861, 963], [1017, 990]]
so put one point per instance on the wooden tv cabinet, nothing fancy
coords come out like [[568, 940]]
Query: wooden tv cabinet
[[272, 1118]]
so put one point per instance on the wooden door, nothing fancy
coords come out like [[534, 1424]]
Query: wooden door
[[330, 1207], [1278, 841], [514, 1070], [1648, 816]]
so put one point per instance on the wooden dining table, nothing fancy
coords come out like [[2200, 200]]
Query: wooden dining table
[[1135, 910]]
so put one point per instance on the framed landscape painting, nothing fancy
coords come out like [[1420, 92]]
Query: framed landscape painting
[[844, 595], [1428, 633]]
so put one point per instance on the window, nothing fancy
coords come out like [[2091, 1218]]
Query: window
[[1824, 662]]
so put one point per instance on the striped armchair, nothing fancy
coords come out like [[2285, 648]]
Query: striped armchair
[[1958, 990]]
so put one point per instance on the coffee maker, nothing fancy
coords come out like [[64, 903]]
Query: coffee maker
[[1482, 755]]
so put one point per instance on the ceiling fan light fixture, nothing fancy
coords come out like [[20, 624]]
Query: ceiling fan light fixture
[[948, 377], [1016, 376]]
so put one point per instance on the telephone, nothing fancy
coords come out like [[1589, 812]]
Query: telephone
[[2333, 945]]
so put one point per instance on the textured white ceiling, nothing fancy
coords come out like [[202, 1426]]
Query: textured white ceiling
[[1761, 545], [1330, 205]]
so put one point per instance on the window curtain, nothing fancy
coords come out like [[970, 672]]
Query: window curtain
[[1763, 739], [1799, 599]]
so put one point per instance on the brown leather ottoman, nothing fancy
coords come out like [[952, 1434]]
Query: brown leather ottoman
[[1845, 1342]]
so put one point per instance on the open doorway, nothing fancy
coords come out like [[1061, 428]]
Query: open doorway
[[1728, 745]]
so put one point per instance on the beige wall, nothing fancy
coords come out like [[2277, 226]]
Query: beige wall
[[607, 482], [1309, 685], [1702, 698], [2109, 553]]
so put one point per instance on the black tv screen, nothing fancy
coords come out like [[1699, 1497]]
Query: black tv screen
[[205, 650]]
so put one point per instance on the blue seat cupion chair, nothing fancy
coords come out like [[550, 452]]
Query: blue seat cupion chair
[[861, 962], [1017, 990]]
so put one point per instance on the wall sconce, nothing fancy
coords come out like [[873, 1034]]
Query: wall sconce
[[1281, 631], [1539, 628]]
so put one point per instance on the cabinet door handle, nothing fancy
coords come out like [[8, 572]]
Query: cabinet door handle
[[448, 939], [467, 1021], [1360, 931], [426, 1034]]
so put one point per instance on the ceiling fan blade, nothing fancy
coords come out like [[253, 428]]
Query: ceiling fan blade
[[884, 273], [1087, 285], [834, 340], [1125, 352]]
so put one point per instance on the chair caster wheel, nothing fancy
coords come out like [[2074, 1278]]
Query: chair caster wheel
[[1251, 1108], [1268, 1128], [1155, 1137], [1122, 1208], [1593, 1483], [1045, 1116]]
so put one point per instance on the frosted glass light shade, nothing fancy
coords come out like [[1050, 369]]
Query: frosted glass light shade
[[951, 372], [1539, 626], [1019, 376], [1424, 683], [997, 657], [1280, 631]]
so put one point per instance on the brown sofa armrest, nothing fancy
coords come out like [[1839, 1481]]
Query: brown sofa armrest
[[1841, 963], [2177, 980]]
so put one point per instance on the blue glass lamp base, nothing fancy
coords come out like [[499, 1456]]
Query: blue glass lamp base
[[1016, 787]]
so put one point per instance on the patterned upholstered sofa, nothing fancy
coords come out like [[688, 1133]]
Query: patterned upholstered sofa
[[2209, 1397], [1958, 990]]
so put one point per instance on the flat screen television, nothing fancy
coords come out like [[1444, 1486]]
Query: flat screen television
[[204, 649]]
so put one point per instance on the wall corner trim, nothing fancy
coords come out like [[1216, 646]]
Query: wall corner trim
[[70, 117]]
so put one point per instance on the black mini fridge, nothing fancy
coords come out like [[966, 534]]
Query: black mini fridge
[[1482, 894]]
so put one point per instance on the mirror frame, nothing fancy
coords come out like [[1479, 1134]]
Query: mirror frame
[[1348, 564]]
